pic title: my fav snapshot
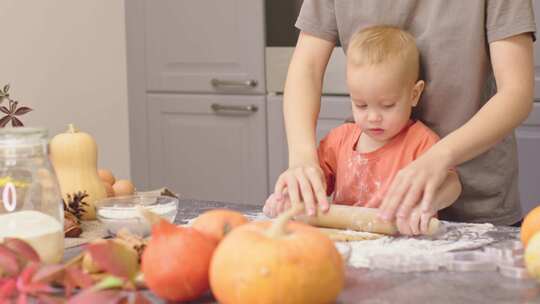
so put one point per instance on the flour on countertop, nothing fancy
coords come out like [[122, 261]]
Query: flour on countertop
[[259, 216], [411, 253], [395, 252]]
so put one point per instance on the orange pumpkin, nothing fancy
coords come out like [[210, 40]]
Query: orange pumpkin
[[216, 223], [530, 225], [175, 262], [280, 262]]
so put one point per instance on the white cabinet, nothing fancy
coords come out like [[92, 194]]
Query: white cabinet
[[209, 147], [537, 53], [334, 111], [214, 46], [528, 139], [197, 98]]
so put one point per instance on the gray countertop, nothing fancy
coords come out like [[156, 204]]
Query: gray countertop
[[380, 286]]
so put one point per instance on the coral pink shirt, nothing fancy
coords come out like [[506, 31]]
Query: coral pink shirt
[[355, 177]]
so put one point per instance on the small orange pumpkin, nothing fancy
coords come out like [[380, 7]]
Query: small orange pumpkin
[[216, 223], [175, 262], [530, 225], [280, 262]]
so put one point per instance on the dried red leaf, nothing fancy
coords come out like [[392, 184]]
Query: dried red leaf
[[22, 110], [69, 287], [8, 261], [4, 110], [115, 258], [22, 248], [46, 299], [7, 288], [48, 273], [78, 277], [27, 273], [25, 284], [15, 122], [90, 296], [5, 120], [22, 299]]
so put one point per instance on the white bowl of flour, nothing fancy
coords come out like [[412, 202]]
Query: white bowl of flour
[[122, 212]]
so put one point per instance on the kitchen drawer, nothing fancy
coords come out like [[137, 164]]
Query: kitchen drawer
[[528, 139]]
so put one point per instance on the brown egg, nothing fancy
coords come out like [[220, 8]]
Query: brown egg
[[108, 189], [123, 187], [106, 176]]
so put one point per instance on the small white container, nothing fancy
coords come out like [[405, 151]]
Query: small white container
[[470, 261], [122, 212]]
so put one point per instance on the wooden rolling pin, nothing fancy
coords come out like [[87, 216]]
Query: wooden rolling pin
[[357, 219]]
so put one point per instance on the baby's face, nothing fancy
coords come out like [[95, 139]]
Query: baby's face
[[382, 98]]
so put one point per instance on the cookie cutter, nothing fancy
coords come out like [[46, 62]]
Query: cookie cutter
[[514, 272], [397, 263], [469, 261], [508, 253], [512, 260], [511, 247]]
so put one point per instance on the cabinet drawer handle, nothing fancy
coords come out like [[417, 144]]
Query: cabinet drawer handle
[[248, 83], [248, 109]]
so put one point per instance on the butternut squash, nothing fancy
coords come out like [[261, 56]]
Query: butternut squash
[[74, 157]]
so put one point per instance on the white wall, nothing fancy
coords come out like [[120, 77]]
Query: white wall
[[66, 59]]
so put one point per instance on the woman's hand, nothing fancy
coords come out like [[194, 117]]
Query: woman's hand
[[416, 184], [416, 223], [305, 184]]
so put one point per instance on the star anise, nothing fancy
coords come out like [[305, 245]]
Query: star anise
[[12, 110], [75, 204]]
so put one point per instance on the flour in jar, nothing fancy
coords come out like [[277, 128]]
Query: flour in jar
[[42, 231]]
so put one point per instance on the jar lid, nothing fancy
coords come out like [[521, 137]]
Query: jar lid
[[22, 142], [22, 135]]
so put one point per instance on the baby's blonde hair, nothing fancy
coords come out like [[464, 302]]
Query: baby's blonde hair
[[378, 44]]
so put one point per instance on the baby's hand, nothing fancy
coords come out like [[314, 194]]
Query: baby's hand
[[275, 204], [416, 223]]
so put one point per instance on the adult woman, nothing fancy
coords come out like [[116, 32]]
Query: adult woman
[[478, 67]]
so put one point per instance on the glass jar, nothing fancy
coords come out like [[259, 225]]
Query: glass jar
[[31, 206]]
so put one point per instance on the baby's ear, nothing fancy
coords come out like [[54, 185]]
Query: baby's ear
[[417, 92]]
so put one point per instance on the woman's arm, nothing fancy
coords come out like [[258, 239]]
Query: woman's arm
[[302, 96], [448, 192], [513, 66], [304, 179], [512, 61]]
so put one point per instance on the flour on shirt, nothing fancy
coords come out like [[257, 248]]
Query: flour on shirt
[[359, 169]]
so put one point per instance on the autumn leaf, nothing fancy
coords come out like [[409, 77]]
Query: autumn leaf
[[48, 273], [8, 261], [115, 258], [5, 120], [45, 299], [79, 277], [90, 296], [22, 110], [22, 248], [11, 110], [8, 287]]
